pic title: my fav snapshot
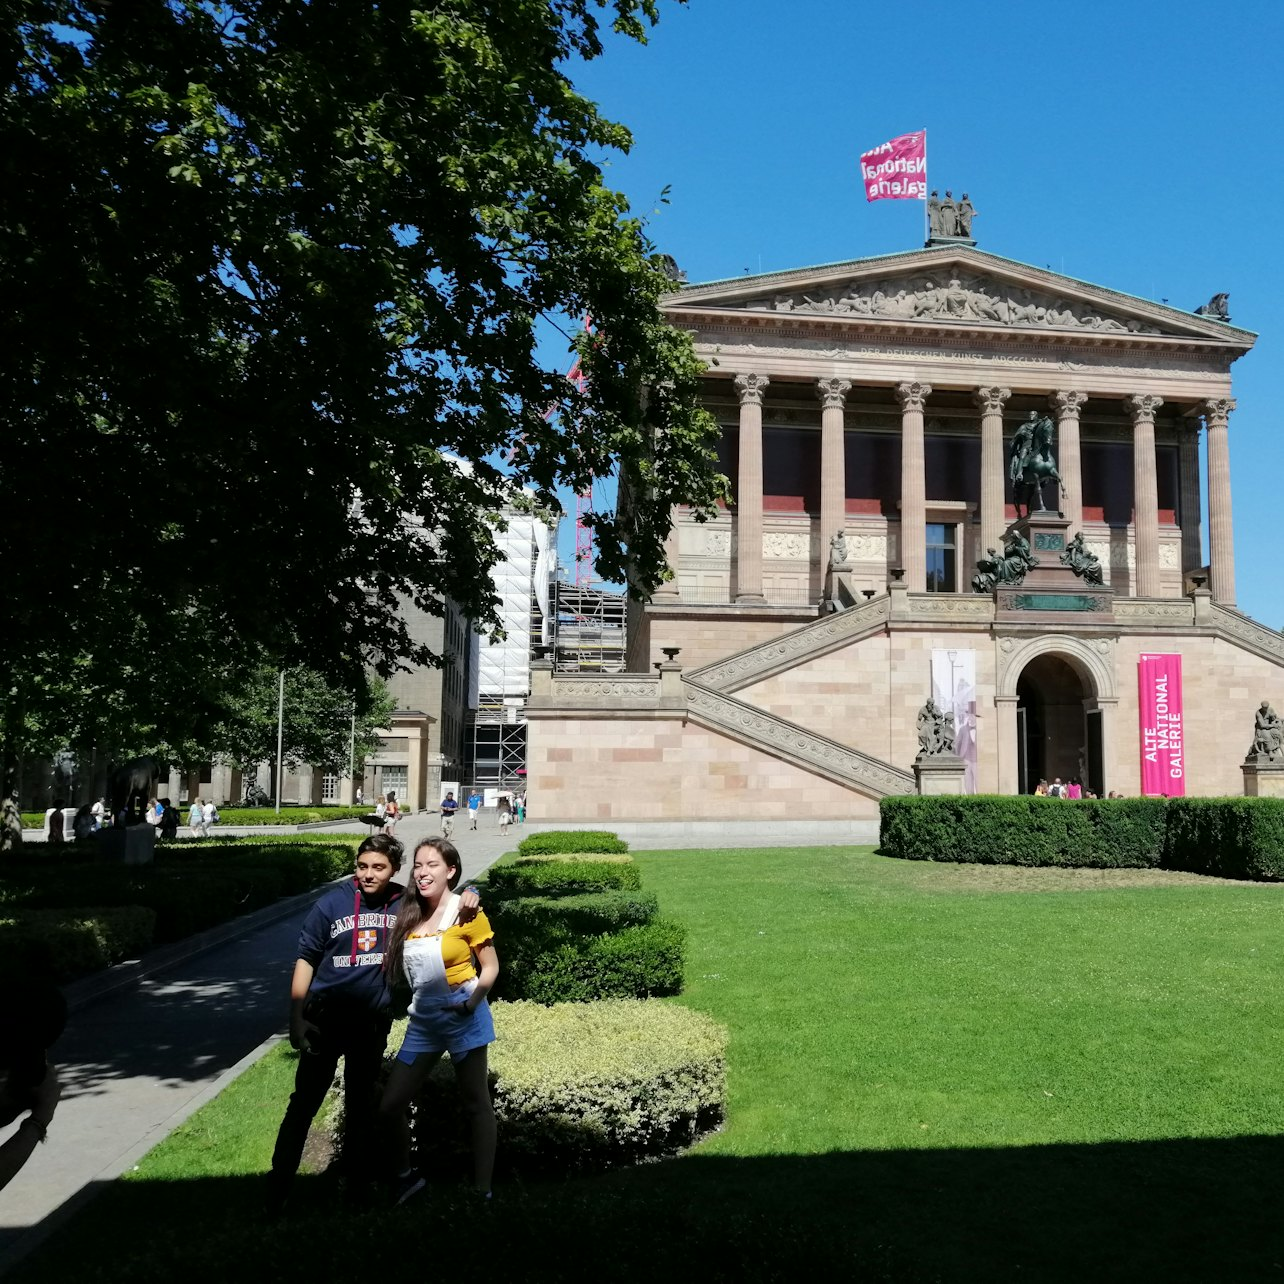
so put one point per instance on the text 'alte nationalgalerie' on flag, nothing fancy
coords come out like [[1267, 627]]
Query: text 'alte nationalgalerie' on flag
[[896, 171]]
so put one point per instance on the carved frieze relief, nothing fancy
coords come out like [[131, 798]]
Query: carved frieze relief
[[967, 298]]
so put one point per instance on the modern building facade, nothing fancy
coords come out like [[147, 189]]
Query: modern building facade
[[866, 409]]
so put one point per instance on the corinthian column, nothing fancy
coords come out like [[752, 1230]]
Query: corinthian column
[[1145, 494], [668, 591], [991, 400], [1067, 406], [749, 489], [833, 461], [1221, 539], [913, 485]]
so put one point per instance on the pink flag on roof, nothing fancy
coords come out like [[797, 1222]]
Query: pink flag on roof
[[896, 171]]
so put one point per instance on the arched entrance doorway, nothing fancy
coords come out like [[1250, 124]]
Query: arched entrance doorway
[[1058, 725]]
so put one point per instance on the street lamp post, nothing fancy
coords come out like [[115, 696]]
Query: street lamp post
[[280, 738]]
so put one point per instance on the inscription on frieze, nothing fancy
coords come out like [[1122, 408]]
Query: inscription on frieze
[[1053, 602]]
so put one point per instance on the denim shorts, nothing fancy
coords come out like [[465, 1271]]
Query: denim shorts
[[447, 1030]]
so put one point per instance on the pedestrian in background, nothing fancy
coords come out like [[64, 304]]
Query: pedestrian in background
[[196, 820]]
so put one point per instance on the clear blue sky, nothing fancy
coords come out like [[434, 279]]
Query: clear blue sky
[[1133, 144]]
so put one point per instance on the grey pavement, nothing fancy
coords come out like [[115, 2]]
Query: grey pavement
[[136, 1062]]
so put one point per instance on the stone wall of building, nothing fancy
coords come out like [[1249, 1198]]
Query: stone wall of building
[[590, 769]]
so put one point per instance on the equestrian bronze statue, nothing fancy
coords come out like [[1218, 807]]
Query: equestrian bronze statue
[[1031, 464]]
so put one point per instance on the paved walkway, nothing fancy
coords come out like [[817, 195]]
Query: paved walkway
[[137, 1062]]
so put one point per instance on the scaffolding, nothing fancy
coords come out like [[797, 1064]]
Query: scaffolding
[[588, 634], [500, 675]]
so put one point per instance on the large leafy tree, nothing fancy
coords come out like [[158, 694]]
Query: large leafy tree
[[263, 263]]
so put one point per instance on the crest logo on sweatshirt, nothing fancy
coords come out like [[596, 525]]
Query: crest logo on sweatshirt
[[366, 940]]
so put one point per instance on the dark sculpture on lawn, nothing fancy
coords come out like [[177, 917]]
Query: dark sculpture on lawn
[[1008, 570], [130, 787], [1086, 565], [1268, 736], [1031, 464], [935, 731]]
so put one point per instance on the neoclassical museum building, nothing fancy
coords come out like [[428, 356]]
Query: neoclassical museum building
[[867, 409]]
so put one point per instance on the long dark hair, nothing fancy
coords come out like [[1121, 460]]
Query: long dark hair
[[414, 909]]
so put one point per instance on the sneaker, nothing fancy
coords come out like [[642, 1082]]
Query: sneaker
[[408, 1184]]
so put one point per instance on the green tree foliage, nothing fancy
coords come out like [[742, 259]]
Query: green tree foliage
[[321, 726], [266, 264]]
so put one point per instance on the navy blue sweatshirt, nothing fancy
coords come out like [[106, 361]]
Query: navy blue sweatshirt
[[344, 938]]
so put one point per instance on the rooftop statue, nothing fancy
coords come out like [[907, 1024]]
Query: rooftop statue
[[935, 731], [1218, 307], [1268, 735], [1009, 569], [1031, 464], [1086, 565]]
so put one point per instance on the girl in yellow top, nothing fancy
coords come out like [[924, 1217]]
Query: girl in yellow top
[[448, 1010]]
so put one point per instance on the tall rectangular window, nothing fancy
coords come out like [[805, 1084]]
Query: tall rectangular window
[[329, 788], [942, 558]]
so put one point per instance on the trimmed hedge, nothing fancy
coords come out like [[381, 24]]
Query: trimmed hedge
[[571, 840], [594, 1084], [1126, 833], [244, 816], [595, 858], [535, 877], [588, 914], [187, 889], [549, 966], [62, 944], [1228, 837]]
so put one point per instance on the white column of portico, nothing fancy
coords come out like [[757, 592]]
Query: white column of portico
[[1067, 406], [1145, 494], [668, 591], [912, 397], [1221, 539], [749, 489], [833, 460], [993, 504], [1190, 492]]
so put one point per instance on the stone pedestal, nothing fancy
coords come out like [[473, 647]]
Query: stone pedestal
[[1262, 777], [128, 844], [940, 776], [1052, 593]]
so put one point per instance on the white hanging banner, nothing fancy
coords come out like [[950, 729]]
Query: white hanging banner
[[954, 690]]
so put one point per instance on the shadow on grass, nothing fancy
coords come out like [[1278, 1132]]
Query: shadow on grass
[[1197, 1210]]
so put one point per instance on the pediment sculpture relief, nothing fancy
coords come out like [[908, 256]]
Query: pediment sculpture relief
[[953, 298]]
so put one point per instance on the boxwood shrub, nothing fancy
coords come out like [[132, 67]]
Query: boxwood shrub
[[996, 830], [1229, 837], [62, 944], [560, 878], [571, 840], [554, 966], [588, 914], [592, 1084]]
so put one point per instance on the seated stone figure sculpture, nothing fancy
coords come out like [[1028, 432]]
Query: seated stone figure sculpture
[[1086, 565], [935, 731], [1268, 735]]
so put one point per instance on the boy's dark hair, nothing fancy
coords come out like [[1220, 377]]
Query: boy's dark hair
[[387, 846]]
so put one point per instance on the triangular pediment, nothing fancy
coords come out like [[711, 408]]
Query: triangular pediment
[[954, 286]]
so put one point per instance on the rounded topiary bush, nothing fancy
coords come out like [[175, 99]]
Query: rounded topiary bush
[[592, 1084], [571, 840], [533, 877]]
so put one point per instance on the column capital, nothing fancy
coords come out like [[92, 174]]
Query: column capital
[[833, 392], [991, 400], [1217, 410], [1142, 407], [1067, 403], [751, 387], [912, 396]]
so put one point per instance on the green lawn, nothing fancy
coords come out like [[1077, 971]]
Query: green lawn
[[936, 1073]]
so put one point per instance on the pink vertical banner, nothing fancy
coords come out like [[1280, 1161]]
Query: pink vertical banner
[[1162, 726]]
